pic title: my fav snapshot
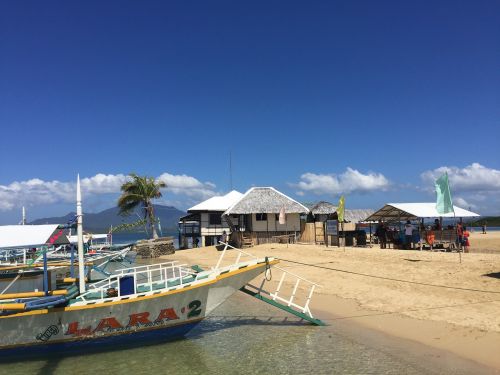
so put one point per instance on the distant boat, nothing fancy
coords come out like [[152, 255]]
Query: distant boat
[[23, 247]]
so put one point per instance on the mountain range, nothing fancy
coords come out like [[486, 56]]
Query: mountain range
[[100, 222]]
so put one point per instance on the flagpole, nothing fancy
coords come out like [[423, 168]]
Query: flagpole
[[343, 233]]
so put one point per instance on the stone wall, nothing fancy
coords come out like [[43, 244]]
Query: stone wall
[[154, 248]]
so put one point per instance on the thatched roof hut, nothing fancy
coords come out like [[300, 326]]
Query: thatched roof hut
[[352, 216], [356, 216], [265, 200], [323, 208]]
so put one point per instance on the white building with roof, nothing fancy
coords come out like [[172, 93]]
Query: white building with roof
[[204, 221]]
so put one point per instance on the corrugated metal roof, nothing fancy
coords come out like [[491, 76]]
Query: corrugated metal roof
[[410, 211], [219, 203], [265, 200], [25, 235]]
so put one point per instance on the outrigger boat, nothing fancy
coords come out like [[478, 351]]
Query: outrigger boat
[[22, 270], [152, 302]]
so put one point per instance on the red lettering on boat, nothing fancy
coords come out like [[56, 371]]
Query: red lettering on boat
[[167, 314], [73, 330], [139, 318], [107, 323]]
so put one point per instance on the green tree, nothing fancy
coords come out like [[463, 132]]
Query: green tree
[[140, 191]]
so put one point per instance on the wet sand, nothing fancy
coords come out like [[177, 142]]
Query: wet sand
[[425, 297]]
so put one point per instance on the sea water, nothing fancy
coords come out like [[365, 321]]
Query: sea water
[[246, 336]]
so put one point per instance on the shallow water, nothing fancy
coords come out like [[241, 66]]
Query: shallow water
[[244, 336]]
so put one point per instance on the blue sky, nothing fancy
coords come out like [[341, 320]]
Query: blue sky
[[368, 99]]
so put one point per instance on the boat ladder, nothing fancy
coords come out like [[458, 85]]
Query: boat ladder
[[282, 292]]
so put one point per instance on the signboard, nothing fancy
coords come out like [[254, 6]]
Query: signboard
[[331, 227]]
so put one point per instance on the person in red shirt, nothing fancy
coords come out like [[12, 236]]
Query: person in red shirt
[[465, 236]]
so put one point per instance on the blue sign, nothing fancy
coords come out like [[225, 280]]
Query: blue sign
[[332, 227]]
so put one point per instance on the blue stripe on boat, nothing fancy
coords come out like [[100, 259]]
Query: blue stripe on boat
[[99, 344]]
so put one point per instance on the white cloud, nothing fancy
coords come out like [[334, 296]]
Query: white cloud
[[35, 191], [474, 177], [348, 182], [103, 183], [461, 202], [474, 186], [187, 185]]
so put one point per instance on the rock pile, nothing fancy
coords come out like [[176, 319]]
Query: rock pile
[[154, 248]]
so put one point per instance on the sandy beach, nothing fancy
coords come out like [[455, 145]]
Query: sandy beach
[[427, 297]]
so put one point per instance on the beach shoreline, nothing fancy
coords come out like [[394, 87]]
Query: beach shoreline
[[431, 298]]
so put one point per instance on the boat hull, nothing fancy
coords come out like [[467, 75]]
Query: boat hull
[[137, 338], [157, 315], [166, 315]]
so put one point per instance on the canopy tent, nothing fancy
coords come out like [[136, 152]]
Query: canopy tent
[[412, 211], [29, 235]]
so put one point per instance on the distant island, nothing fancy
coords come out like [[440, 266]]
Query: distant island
[[490, 221], [100, 222]]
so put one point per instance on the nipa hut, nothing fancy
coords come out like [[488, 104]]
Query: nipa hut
[[323, 211], [259, 213]]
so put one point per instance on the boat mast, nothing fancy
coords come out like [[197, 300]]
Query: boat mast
[[79, 230], [24, 217]]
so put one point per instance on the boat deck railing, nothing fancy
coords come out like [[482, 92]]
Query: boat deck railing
[[129, 282]]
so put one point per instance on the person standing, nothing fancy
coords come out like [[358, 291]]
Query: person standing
[[465, 239], [437, 225], [460, 235], [484, 227], [408, 234], [381, 233]]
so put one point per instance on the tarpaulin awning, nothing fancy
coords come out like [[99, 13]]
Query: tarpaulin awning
[[412, 211], [29, 235]]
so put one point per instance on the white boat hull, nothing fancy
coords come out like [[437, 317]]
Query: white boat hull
[[163, 315]]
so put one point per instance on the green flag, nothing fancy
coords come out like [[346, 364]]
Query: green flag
[[444, 203], [340, 209]]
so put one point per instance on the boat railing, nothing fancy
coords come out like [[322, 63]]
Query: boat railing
[[240, 254], [140, 280], [16, 255], [289, 289]]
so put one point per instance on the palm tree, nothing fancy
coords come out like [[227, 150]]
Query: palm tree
[[141, 190]]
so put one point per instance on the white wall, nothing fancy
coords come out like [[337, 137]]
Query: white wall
[[212, 230], [273, 225]]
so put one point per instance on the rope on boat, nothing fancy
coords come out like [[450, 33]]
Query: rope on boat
[[268, 271]]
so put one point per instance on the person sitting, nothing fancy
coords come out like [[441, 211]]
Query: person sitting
[[430, 237]]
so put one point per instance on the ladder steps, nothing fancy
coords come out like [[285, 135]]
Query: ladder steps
[[314, 321]]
